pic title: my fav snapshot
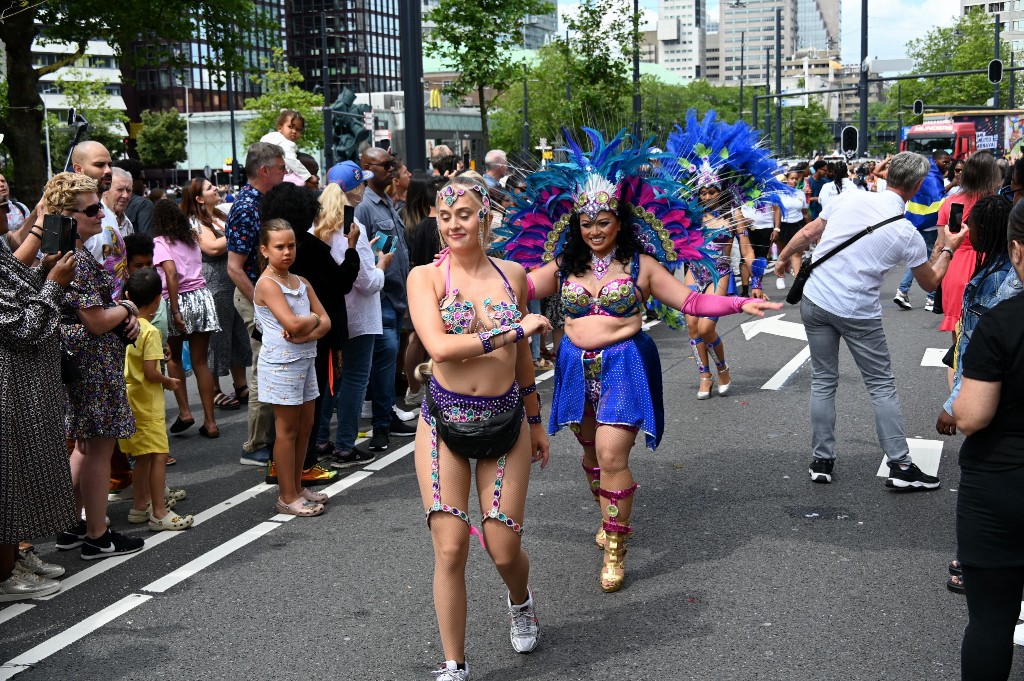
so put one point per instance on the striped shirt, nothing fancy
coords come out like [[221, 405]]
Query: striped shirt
[[848, 284]]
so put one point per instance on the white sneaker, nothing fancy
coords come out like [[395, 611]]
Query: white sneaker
[[780, 283], [451, 672], [126, 494], [406, 415], [929, 305], [902, 300], [524, 630], [367, 412]]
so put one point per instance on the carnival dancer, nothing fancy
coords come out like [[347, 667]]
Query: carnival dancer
[[607, 237], [471, 314]]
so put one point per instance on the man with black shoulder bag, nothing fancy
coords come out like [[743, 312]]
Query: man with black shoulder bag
[[862, 237]]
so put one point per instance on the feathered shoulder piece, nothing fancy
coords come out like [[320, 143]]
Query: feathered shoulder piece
[[666, 222], [728, 156]]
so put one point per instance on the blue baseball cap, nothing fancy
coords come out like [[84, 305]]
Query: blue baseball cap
[[348, 175]]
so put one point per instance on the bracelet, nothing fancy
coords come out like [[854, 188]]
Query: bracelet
[[533, 419], [128, 305], [520, 334], [485, 340], [532, 388], [38, 235], [947, 249], [317, 318]]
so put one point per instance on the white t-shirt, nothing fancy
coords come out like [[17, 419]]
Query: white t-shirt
[[793, 204], [848, 284], [761, 217], [829, 192], [363, 302], [291, 159]]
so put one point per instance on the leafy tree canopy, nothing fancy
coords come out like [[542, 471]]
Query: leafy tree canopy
[[280, 86], [162, 139]]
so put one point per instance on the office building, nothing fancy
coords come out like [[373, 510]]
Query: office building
[[681, 34], [805, 25], [1011, 16], [538, 29], [197, 87], [363, 52]]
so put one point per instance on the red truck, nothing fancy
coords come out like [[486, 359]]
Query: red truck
[[957, 138], [963, 132]]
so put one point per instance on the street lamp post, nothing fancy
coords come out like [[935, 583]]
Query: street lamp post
[[636, 68], [743, 41]]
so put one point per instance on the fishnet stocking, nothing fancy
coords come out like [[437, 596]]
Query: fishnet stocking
[[613, 446]]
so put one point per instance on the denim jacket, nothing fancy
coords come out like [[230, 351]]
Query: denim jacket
[[987, 288]]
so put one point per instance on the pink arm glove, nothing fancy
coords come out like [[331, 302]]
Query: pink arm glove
[[531, 289], [709, 305]]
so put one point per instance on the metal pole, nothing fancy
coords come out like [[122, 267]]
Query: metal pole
[[231, 114], [526, 112], [636, 68], [792, 136], [995, 86], [743, 40], [568, 79], [49, 159], [899, 112], [188, 129], [862, 137], [778, 79], [1013, 83], [768, 91], [411, 35], [325, 84]]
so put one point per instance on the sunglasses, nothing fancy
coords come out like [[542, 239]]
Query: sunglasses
[[89, 211], [390, 165]]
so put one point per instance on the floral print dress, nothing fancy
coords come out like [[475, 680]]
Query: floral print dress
[[98, 400]]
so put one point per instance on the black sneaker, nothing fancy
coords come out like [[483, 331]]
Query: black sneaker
[[357, 457], [110, 544], [72, 538], [821, 470], [911, 479], [380, 441], [401, 428]]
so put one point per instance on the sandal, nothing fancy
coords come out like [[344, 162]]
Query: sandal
[[171, 521], [180, 425], [543, 365], [242, 393], [207, 433], [226, 402], [315, 497], [955, 583], [955, 568], [300, 507], [171, 461]]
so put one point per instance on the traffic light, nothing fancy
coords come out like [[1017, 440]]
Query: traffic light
[[918, 107], [848, 140], [995, 71]]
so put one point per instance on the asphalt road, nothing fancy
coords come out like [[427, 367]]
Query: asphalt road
[[740, 568]]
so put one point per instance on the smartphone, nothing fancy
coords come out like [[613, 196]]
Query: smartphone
[[385, 244], [348, 218], [956, 217], [59, 234]]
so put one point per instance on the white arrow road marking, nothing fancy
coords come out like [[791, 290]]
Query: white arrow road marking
[[783, 374], [775, 326], [925, 453], [933, 357]]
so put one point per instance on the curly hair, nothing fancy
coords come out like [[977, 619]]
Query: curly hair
[[576, 255], [170, 223], [297, 205], [332, 212], [60, 192]]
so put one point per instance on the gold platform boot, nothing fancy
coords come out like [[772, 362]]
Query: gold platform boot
[[616, 530]]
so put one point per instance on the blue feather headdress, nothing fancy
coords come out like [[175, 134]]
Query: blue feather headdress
[[665, 221]]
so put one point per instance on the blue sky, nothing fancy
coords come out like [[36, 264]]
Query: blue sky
[[891, 23]]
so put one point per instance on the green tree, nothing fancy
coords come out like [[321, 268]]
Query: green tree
[[475, 39], [965, 45], [162, 139], [810, 131], [162, 25], [279, 84], [88, 97]]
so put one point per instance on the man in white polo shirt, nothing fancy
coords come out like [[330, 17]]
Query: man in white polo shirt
[[841, 300]]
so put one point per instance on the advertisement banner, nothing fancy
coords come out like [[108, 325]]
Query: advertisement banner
[[1014, 135], [989, 132]]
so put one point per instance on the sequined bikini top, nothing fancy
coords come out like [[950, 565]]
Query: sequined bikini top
[[618, 298], [460, 316]]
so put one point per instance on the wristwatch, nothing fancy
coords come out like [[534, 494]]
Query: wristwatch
[[949, 250]]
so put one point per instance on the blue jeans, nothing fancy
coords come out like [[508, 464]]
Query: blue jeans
[[385, 358], [357, 357], [908, 278], [866, 341], [534, 307]]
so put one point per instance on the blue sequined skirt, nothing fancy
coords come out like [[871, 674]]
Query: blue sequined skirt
[[630, 391]]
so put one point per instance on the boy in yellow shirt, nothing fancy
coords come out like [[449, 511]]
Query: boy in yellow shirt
[[146, 383]]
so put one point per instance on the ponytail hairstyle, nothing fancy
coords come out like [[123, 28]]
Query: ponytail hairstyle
[[268, 227], [838, 172]]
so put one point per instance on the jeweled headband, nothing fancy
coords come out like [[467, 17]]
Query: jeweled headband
[[595, 195], [451, 194]]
